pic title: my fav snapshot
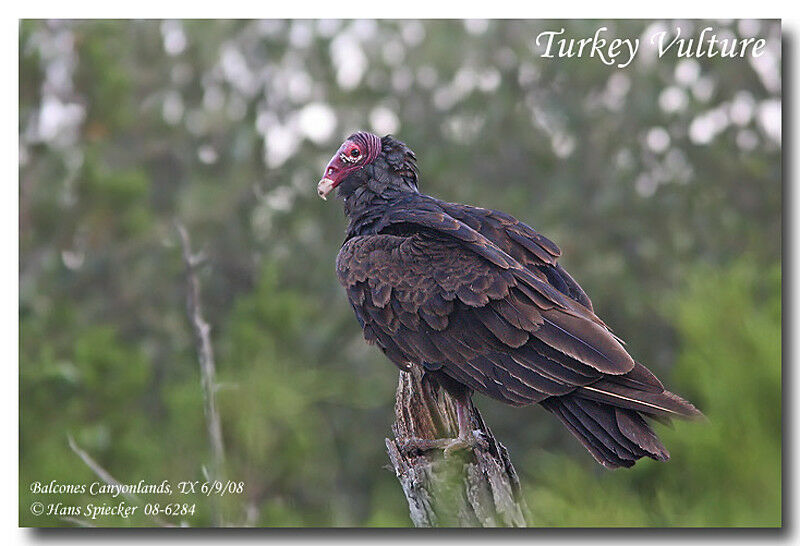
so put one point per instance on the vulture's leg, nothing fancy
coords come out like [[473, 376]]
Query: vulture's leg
[[467, 438]]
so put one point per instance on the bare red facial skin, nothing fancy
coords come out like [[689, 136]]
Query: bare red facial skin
[[357, 151], [348, 158]]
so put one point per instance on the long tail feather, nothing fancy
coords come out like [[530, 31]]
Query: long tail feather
[[664, 403], [616, 437]]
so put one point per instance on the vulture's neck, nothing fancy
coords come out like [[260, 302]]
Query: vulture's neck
[[368, 203]]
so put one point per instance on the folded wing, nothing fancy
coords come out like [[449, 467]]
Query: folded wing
[[480, 296]]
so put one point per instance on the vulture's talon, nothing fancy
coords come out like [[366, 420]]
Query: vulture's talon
[[409, 446], [459, 444], [413, 444]]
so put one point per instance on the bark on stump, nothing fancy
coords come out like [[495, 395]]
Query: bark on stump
[[470, 488]]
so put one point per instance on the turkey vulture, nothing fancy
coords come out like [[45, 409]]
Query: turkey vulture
[[479, 300]]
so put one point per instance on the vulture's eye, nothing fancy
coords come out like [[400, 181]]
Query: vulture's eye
[[355, 153]]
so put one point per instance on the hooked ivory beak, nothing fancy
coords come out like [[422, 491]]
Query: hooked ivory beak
[[325, 187]]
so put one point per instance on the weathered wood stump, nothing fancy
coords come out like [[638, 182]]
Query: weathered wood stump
[[475, 487]]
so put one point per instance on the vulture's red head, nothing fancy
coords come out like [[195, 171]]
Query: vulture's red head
[[358, 151]]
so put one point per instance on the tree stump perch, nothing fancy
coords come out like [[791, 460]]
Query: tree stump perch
[[476, 487]]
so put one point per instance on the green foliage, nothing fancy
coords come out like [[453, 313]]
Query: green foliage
[[104, 76], [724, 472], [270, 409], [73, 395]]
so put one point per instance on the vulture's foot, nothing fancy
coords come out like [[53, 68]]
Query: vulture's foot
[[468, 437], [448, 445]]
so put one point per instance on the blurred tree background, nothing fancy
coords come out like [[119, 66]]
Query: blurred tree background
[[661, 182]]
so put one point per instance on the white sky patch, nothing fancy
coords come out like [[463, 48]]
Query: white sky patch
[[749, 27], [58, 73], [301, 34], [73, 259], [269, 27], [649, 52], [280, 198], [624, 159], [264, 120], [365, 29], [673, 99], [412, 32], [234, 67], [476, 26], [708, 125], [463, 129], [616, 90], [527, 73], [767, 66], [687, 71], [349, 59], [280, 143], [275, 84], [174, 37], [703, 89], [172, 108], [328, 27], [317, 122], [540, 116], [464, 82], [213, 98], [769, 118], [466, 79], [563, 144], [489, 80], [742, 108], [383, 120], [402, 79], [207, 154], [56, 118], [299, 86], [444, 98], [393, 52], [646, 185], [658, 139]]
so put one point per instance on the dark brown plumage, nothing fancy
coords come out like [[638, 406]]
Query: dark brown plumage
[[478, 296]]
